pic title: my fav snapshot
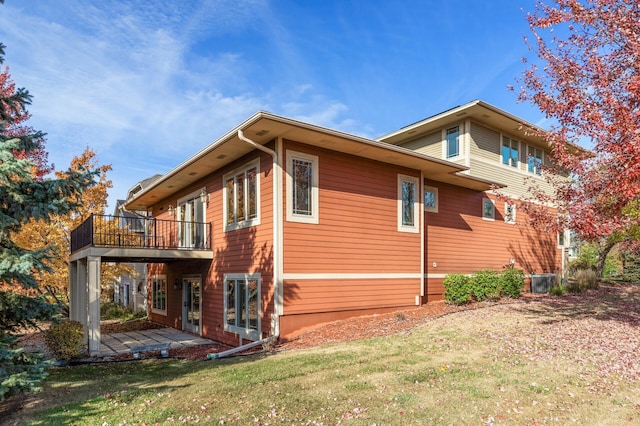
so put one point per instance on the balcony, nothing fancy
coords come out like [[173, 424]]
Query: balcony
[[136, 239]]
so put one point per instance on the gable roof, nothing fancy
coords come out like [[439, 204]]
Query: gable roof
[[264, 127], [477, 110]]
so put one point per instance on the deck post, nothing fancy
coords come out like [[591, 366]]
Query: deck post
[[77, 285], [93, 317]]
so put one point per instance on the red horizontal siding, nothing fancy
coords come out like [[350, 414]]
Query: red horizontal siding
[[458, 240], [331, 295], [358, 216]]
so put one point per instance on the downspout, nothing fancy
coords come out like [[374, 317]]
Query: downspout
[[277, 282]]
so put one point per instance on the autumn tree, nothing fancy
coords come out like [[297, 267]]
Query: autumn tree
[[56, 232], [25, 195], [586, 79]]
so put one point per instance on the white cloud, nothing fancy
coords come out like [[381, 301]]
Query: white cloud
[[129, 79]]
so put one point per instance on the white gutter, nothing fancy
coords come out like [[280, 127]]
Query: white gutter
[[277, 279]]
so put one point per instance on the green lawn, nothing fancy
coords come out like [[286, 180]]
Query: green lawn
[[557, 361]]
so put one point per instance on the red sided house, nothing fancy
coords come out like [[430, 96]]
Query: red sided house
[[280, 225]]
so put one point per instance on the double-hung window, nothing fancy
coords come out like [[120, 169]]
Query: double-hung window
[[242, 197], [302, 187], [408, 204], [159, 294], [452, 142], [534, 160], [509, 151], [242, 305]]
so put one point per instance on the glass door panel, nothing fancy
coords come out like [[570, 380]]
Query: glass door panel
[[191, 303]]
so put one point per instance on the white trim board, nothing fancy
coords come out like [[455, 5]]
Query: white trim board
[[352, 276]]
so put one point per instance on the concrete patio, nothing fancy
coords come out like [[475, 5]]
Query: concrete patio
[[121, 343]]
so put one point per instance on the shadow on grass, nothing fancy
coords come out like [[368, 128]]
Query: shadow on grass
[[81, 394], [620, 303]]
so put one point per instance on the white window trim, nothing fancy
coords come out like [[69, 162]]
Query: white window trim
[[415, 228], [460, 143], [194, 194], [512, 220], [314, 218], [435, 193], [246, 223], [166, 301], [245, 333], [519, 148], [567, 239], [493, 217], [534, 174]]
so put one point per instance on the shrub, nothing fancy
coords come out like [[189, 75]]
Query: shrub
[[457, 289], [512, 282], [583, 279], [111, 311], [485, 285], [557, 290], [66, 340]]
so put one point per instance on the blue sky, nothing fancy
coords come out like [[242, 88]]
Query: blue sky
[[147, 84]]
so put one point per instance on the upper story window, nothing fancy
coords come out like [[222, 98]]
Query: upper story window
[[302, 187], [452, 141], [509, 151], [408, 219], [534, 160], [242, 197], [430, 199]]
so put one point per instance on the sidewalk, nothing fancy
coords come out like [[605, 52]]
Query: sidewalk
[[121, 343]]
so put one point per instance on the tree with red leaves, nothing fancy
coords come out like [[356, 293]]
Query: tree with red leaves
[[586, 79], [16, 116]]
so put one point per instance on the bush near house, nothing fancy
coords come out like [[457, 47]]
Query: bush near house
[[512, 282], [457, 289], [483, 285], [65, 340], [114, 311]]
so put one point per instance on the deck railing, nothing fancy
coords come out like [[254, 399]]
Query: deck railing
[[128, 232]]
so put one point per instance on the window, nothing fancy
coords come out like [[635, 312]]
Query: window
[[242, 305], [453, 141], [534, 160], [510, 213], [509, 152], [159, 294], [408, 204], [191, 221], [241, 197], [488, 209], [564, 238], [302, 187], [430, 199]]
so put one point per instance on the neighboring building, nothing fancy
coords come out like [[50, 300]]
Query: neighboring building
[[280, 225], [131, 290]]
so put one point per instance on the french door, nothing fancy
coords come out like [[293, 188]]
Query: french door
[[191, 227], [191, 304]]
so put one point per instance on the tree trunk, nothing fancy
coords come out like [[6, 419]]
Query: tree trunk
[[603, 252]]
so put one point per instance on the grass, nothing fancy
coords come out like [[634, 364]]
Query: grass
[[454, 370]]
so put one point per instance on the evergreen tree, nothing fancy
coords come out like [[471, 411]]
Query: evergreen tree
[[25, 195]]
